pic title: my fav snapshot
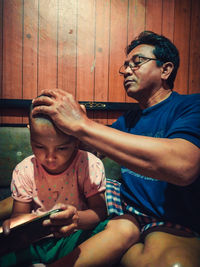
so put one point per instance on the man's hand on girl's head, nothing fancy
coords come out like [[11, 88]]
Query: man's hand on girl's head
[[62, 108]]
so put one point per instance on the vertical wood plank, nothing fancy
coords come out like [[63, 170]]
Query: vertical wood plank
[[1, 52], [154, 16], [67, 45], [136, 24], [85, 48], [12, 54], [136, 18], [168, 19], [30, 49], [101, 56], [47, 57], [12, 47], [102, 50], [1, 45], [194, 59], [181, 40], [118, 43]]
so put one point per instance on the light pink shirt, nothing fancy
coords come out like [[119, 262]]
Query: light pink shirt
[[84, 178]]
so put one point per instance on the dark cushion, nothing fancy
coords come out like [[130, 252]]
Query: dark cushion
[[14, 147]]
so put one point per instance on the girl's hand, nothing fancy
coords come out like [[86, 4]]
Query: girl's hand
[[65, 222]]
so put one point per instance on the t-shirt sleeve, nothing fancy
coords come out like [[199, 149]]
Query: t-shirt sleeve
[[187, 124], [21, 185], [118, 123], [93, 177]]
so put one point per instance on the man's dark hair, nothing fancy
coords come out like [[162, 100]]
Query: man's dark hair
[[165, 51]]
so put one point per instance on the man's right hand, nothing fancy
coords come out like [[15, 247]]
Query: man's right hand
[[63, 109]]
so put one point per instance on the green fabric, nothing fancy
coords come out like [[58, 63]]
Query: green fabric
[[49, 249], [15, 146]]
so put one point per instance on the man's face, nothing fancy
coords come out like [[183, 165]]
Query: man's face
[[144, 81]]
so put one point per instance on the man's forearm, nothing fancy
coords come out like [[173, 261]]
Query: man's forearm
[[171, 160]]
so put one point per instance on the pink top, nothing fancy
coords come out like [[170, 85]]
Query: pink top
[[84, 178]]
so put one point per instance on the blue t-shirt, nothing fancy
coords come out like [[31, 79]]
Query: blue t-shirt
[[178, 116]]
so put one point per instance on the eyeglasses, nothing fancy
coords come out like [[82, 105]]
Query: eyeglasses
[[136, 62]]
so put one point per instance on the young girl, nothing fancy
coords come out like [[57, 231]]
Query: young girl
[[59, 175]]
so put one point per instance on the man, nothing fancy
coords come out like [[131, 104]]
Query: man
[[158, 148]]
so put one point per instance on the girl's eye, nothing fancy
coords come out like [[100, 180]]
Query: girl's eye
[[38, 147], [62, 148]]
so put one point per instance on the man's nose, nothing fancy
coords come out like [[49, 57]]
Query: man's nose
[[128, 71]]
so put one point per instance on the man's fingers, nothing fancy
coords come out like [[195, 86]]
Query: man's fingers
[[83, 108], [42, 100]]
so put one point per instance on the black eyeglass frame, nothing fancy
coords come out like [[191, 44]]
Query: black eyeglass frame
[[133, 66]]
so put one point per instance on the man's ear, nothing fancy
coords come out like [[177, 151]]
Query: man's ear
[[166, 70]]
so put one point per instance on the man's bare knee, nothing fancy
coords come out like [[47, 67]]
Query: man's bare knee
[[179, 257]]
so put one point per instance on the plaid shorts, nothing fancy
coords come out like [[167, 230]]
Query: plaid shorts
[[116, 206]]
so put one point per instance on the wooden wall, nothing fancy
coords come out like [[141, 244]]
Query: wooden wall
[[78, 45]]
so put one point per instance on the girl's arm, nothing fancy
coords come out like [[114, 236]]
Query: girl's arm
[[20, 208], [70, 219], [20, 214], [97, 212]]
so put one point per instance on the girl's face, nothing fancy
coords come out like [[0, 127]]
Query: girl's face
[[53, 149]]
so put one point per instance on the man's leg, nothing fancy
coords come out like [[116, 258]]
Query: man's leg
[[162, 249], [106, 247]]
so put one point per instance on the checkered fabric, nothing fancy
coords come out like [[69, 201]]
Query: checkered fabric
[[116, 206], [113, 200]]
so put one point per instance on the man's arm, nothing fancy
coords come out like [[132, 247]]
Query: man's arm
[[172, 160]]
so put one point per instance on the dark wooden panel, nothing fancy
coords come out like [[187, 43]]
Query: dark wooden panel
[[102, 50], [154, 15], [79, 46], [136, 24], [136, 18], [30, 49], [194, 59], [1, 51], [102, 35], [1, 45], [47, 57], [67, 37], [181, 39], [118, 42], [12, 53], [12, 49], [85, 48], [168, 19]]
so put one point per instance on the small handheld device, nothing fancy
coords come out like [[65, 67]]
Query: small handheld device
[[24, 234]]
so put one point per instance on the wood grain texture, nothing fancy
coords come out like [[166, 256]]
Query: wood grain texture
[[30, 49], [153, 16], [47, 45], [182, 26], [67, 38], [79, 46], [118, 43], [86, 50], [168, 19], [194, 57]]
